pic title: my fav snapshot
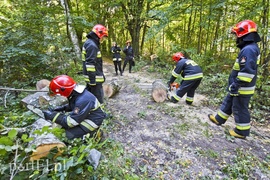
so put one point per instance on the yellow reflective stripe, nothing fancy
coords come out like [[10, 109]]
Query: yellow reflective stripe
[[83, 54], [55, 117], [176, 97], [89, 125], [245, 76], [246, 90], [90, 68], [99, 79], [245, 126], [71, 122], [223, 115], [236, 66], [97, 105], [98, 54], [114, 59], [193, 76], [174, 74], [190, 99]]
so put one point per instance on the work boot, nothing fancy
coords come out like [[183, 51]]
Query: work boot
[[116, 73], [234, 134], [213, 119]]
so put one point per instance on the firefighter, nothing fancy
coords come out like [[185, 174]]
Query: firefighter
[[85, 114], [117, 61], [129, 56], [242, 80], [92, 61], [191, 74]]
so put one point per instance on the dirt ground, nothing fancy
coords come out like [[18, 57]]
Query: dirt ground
[[177, 141]]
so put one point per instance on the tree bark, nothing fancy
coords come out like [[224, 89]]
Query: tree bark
[[159, 91]]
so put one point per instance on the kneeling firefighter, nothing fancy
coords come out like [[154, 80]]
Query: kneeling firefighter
[[85, 114]]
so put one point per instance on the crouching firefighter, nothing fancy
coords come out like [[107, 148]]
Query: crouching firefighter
[[85, 114], [191, 74], [242, 80]]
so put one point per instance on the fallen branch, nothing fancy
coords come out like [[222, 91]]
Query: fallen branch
[[24, 90]]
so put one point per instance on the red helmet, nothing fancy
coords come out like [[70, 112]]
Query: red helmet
[[244, 27], [100, 31], [62, 85], [177, 56]]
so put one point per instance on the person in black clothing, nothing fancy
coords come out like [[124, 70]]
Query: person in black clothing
[[92, 61], [191, 74], [85, 113], [129, 56], [117, 61]]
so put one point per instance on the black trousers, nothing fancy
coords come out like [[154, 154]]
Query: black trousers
[[97, 90], [117, 66], [129, 61]]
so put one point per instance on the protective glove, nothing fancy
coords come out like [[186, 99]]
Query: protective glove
[[233, 89], [49, 115]]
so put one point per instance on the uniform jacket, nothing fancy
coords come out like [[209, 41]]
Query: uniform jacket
[[92, 60], [188, 69], [244, 70], [84, 111], [116, 53], [128, 52]]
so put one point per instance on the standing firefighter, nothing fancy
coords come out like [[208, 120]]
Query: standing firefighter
[[85, 114], [191, 74], [129, 56], [116, 58], [92, 61], [242, 80]]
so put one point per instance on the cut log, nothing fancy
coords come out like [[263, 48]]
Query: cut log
[[43, 142], [111, 88], [159, 91], [43, 84]]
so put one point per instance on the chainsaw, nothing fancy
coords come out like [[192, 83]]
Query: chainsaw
[[172, 89]]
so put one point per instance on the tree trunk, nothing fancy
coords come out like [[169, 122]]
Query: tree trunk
[[159, 91], [43, 142], [111, 88]]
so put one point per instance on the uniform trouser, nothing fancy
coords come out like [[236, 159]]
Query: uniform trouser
[[129, 61], [188, 87], [117, 66], [78, 132], [97, 90], [238, 106]]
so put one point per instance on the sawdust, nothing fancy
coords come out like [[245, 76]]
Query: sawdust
[[175, 141]]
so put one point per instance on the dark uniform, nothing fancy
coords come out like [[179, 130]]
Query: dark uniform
[[93, 66], [244, 74], [192, 76], [117, 61], [85, 115], [129, 57]]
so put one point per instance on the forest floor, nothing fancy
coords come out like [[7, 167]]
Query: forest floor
[[177, 141]]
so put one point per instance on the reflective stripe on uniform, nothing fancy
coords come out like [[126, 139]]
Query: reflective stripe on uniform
[[189, 99], [55, 117], [98, 54], [193, 76], [86, 78], [71, 122], [223, 115], [258, 59], [174, 74], [99, 79], [83, 54], [246, 90], [97, 105], [90, 68], [89, 124], [236, 65], [245, 76], [243, 126], [176, 97]]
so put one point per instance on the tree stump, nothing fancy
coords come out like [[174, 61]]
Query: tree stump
[[159, 91], [111, 88]]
